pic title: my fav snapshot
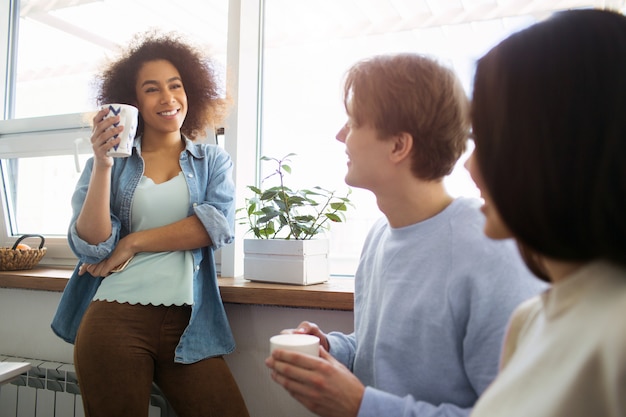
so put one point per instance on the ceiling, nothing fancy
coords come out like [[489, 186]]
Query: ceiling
[[53, 31], [329, 18]]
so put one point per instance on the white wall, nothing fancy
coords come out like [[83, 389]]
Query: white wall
[[25, 317]]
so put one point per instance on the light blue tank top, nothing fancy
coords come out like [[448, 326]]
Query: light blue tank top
[[156, 278]]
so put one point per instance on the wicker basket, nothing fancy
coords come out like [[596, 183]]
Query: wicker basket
[[12, 259]]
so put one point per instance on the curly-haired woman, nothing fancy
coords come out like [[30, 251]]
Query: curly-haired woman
[[166, 208]]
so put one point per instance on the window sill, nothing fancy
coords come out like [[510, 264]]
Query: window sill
[[336, 294]]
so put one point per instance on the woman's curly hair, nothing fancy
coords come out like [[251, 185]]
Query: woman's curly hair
[[207, 103]]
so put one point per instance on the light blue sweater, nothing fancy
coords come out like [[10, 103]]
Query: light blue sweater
[[432, 301]]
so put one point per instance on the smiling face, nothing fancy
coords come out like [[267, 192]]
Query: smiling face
[[161, 97], [494, 226], [367, 156]]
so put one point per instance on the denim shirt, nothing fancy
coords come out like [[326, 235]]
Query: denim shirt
[[208, 173]]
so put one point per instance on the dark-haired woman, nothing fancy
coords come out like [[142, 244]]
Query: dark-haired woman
[[549, 122], [166, 208]]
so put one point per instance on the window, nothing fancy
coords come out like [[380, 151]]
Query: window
[[58, 48], [62, 44], [308, 46], [286, 81]]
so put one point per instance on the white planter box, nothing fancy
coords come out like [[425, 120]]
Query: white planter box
[[300, 262]]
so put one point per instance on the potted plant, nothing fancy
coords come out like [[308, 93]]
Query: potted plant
[[288, 226]]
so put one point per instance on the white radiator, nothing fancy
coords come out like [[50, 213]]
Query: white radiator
[[50, 389]]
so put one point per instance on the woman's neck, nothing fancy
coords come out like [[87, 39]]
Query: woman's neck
[[560, 270], [153, 141]]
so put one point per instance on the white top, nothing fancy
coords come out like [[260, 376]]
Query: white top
[[565, 352], [157, 278]]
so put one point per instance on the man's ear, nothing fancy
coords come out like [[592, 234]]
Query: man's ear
[[402, 146]]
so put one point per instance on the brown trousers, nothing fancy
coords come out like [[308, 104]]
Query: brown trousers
[[121, 349]]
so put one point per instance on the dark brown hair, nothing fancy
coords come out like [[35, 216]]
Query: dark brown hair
[[549, 120], [414, 94], [207, 104]]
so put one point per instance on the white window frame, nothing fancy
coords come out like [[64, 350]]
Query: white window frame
[[57, 134], [66, 134], [7, 29], [43, 136]]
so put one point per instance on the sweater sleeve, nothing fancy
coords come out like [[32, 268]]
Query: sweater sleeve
[[480, 321], [483, 317], [480, 306], [342, 347], [376, 403]]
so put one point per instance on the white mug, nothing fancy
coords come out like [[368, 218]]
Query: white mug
[[128, 118], [303, 343]]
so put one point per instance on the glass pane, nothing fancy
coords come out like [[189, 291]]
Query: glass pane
[[63, 43], [39, 191], [309, 46]]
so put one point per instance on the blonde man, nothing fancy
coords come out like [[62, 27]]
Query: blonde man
[[430, 308]]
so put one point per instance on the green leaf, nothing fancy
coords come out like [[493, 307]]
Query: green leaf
[[295, 200], [304, 212], [267, 218], [309, 192], [268, 195], [312, 203], [339, 206], [254, 189], [266, 232], [281, 205], [333, 217], [304, 219]]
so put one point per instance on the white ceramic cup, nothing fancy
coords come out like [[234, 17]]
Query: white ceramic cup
[[304, 343], [128, 118]]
